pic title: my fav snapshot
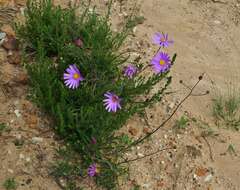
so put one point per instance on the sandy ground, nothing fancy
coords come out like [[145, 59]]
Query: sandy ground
[[206, 36]]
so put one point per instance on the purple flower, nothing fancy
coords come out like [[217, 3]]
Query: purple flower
[[78, 42], [162, 40], [72, 77], [112, 102], [130, 71], [161, 62], [92, 170]]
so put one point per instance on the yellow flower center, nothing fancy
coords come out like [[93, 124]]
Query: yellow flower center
[[161, 62], [76, 76]]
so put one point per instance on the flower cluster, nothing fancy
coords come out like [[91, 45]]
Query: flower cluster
[[160, 63]]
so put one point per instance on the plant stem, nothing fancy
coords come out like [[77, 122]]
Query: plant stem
[[164, 122]]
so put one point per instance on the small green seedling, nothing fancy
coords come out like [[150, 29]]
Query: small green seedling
[[182, 123], [10, 184], [231, 150], [226, 110], [2, 127]]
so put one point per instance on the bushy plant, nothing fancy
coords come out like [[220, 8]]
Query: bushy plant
[[61, 41], [226, 109]]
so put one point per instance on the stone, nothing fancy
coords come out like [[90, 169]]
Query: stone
[[140, 154], [21, 156], [171, 105], [208, 178], [10, 171], [28, 159], [2, 37], [217, 22], [37, 140], [17, 113]]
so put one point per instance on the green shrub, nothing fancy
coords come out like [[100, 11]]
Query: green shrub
[[79, 114], [10, 184], [226, 109]]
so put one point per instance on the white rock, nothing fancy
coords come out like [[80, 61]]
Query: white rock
[[125, 14], [90, 10], [28, 159], [195, 176], [17, 113], [146, 185], [22, 11], [10, 171], [217, 22], [16, 102], [171, 105], [140, 154], [2, 37], [18, 136], [134, 29], [36, 140], [21, 156], [208, 178], [10, 52]]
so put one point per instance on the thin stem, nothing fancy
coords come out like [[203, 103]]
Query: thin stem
[[164, 122]]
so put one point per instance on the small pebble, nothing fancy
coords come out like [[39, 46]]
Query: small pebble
[[19, 136], [2, 37], [195, 176], [28, 159], [22, 10], [21, 156], [36, 140], [17, 113], [125, 14], [10, 171], [171, 105], [217, 22], [146, 185], [208, 178]]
